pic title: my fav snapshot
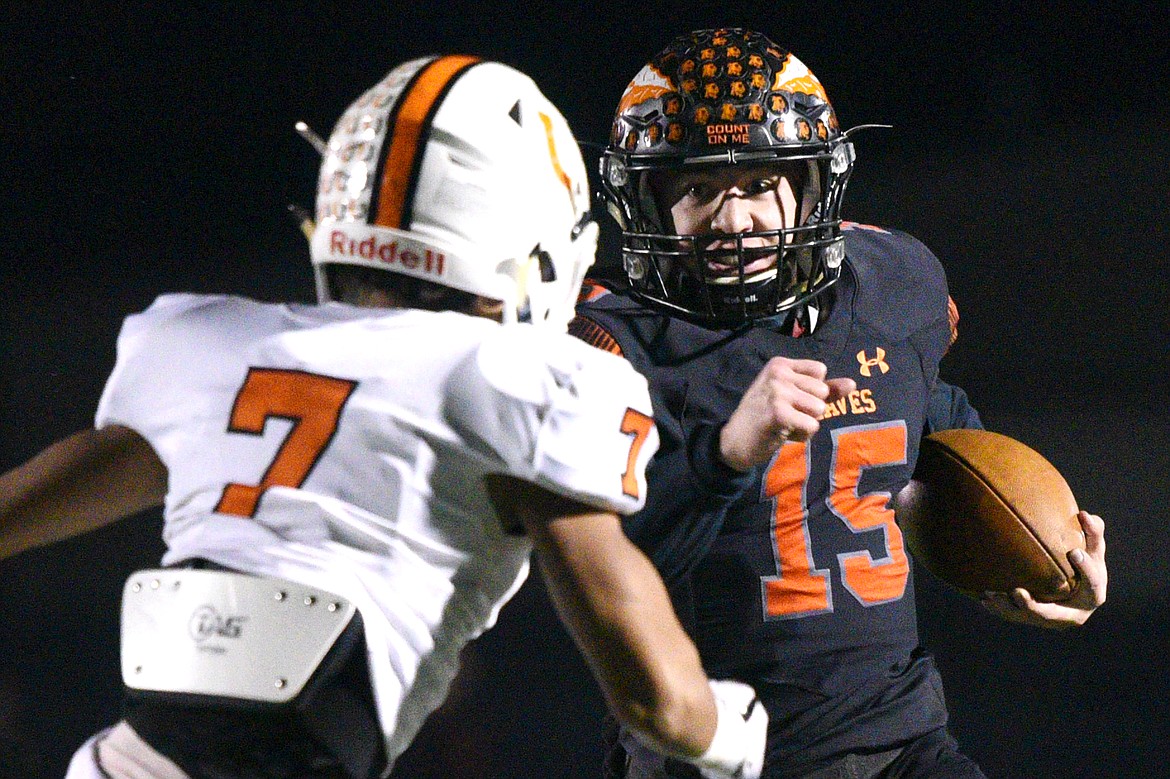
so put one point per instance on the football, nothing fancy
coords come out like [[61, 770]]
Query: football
[[986, 513]]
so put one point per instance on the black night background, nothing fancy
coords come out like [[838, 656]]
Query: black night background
[[149, 147]]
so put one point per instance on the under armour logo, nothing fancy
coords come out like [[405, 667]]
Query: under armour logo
[[879, 361]]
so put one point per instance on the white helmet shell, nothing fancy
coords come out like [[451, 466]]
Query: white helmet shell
[[462, 173]]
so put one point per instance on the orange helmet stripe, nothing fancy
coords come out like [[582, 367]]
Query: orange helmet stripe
[[410, 121], [552, 152]]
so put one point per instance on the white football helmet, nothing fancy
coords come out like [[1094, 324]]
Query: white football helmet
[[459, 172]]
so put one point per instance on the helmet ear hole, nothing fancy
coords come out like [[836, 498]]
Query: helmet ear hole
[[616, 212], [548, 271]]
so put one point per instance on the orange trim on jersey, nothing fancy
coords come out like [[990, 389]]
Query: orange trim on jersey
[[590, 291], [408, 136], [595, 335], [847, 225], [953, 319]]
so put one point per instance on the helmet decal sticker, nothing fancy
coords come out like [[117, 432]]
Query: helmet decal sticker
[[722, 76], [648, 84], [796, 77]]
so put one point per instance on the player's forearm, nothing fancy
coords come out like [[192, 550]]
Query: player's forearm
[[618, 611], [78, 484], [615, 605]]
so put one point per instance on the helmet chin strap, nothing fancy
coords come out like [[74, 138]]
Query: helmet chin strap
[[797, 322]]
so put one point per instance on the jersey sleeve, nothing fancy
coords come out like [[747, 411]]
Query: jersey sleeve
[[150, 365], [558, 413], [949, 409]]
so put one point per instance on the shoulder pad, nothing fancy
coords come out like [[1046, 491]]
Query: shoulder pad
[[169, 319], [646, 337], [900, 284], [551, 410], [169, 306], [534, 364]]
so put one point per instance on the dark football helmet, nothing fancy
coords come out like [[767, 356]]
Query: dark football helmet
[[719, 98]]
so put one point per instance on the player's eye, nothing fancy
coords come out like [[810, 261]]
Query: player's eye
[[697, 191], [691, 195], [761, 185]]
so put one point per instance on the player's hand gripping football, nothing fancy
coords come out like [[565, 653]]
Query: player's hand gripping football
[[785, 402], [737, 750], [1020, 606]]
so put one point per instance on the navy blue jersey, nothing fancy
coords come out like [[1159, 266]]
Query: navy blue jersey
[[799, 578]]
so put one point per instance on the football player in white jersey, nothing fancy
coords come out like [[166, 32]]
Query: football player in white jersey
[[352, 490]]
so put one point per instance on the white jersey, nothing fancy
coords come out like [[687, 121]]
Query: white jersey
[[345, 448]]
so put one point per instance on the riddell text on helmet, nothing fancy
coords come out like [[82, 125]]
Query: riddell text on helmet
[[388, 252]]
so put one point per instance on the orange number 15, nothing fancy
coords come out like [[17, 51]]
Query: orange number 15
[[800, 589]]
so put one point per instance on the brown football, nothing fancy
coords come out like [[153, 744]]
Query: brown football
[[986, 513]]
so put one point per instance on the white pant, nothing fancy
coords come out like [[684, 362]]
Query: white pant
[[119, 753]]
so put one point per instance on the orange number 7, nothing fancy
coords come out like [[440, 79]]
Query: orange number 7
[[638, 425], [310, 401]]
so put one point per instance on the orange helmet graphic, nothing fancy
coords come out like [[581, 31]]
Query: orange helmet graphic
[[721, 98]]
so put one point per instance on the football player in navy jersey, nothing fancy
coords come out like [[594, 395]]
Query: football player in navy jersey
[[793, 364]]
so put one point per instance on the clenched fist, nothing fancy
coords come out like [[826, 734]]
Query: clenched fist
[[785, 402]]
